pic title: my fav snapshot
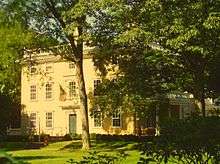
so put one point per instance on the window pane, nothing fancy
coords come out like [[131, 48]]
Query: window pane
[[48, 91], [33, 70], [116, 122], [49, 119], [71, 65], [49, 69], [33, 92], [72, 89], [116, 119], [33, 120]]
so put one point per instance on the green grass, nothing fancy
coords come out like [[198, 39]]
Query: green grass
[[61, 152]]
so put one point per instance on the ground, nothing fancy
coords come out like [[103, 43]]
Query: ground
[[61, 152]]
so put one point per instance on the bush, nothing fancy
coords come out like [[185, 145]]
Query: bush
[[194, 140], [8, 159], [97, 157]]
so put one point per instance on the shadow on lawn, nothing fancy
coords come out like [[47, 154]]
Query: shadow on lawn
[[116, 145], [75, 145], [25, 158], [104, 145]]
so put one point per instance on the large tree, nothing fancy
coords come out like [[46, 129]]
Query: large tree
[[13, 39], [65, 21], [186, 32], [192, 32]]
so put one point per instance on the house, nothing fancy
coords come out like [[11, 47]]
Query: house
[[50, 99], [50, 102]]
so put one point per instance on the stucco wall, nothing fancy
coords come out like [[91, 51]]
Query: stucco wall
[[59, 105]]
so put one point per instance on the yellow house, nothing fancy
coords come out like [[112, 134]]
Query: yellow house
[[50, 100]]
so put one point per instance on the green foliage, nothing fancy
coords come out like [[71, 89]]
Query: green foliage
[[160, 45], [9, 114], [8, 159], [98, 157], [194, 140]]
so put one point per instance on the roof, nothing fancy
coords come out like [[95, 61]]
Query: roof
[[53, 54]]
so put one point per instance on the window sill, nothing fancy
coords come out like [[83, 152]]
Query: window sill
[[49, 128], [33, 100], [49, 99], [97, 127], [116, 127]]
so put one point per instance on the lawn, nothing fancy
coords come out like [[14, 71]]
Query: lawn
[[61, 152]]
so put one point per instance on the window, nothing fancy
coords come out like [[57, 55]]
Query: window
[[96, 83], [33, 70], [48, 91], [116, 119], [97, 119], [33, 120], [49, 68], [72, 89], [33, 92], [71, 65], [49, 119]]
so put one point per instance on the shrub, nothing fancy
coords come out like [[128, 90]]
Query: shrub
[[193, 140], [8, 159], [98, 157]]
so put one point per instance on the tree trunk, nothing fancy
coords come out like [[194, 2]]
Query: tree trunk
[[83, 104], [202, 101]]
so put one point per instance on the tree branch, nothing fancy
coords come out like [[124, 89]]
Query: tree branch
[[51, 6]]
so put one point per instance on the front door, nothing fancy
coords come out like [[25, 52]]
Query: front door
[[72, 124]]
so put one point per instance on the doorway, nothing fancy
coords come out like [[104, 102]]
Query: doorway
[[72, 124]]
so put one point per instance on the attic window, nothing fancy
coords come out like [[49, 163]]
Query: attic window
[[49, 68], [71, 65], [33, 70]]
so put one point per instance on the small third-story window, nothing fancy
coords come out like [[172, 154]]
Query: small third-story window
[[72, 89], [49, 68], [97, 119], [49, 91], [71, 65], [49, 119], [96, 84], [116, 119], [33, 92], [33, 120], [33, 70]]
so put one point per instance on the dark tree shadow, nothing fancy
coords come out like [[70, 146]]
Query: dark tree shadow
[[104, 145], [72, 146], [26, 158]]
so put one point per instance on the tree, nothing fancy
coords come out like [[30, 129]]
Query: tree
[[122, 32], [14, 37], [186, 32], [64, 21], [192, 31]]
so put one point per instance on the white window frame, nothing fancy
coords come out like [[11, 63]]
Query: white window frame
[[33, 119], [97, 120], [33, 92], [33, 68], [71, 65], [71, 94], [48, 91], [116, 115], [49, 120], [51, 70]]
